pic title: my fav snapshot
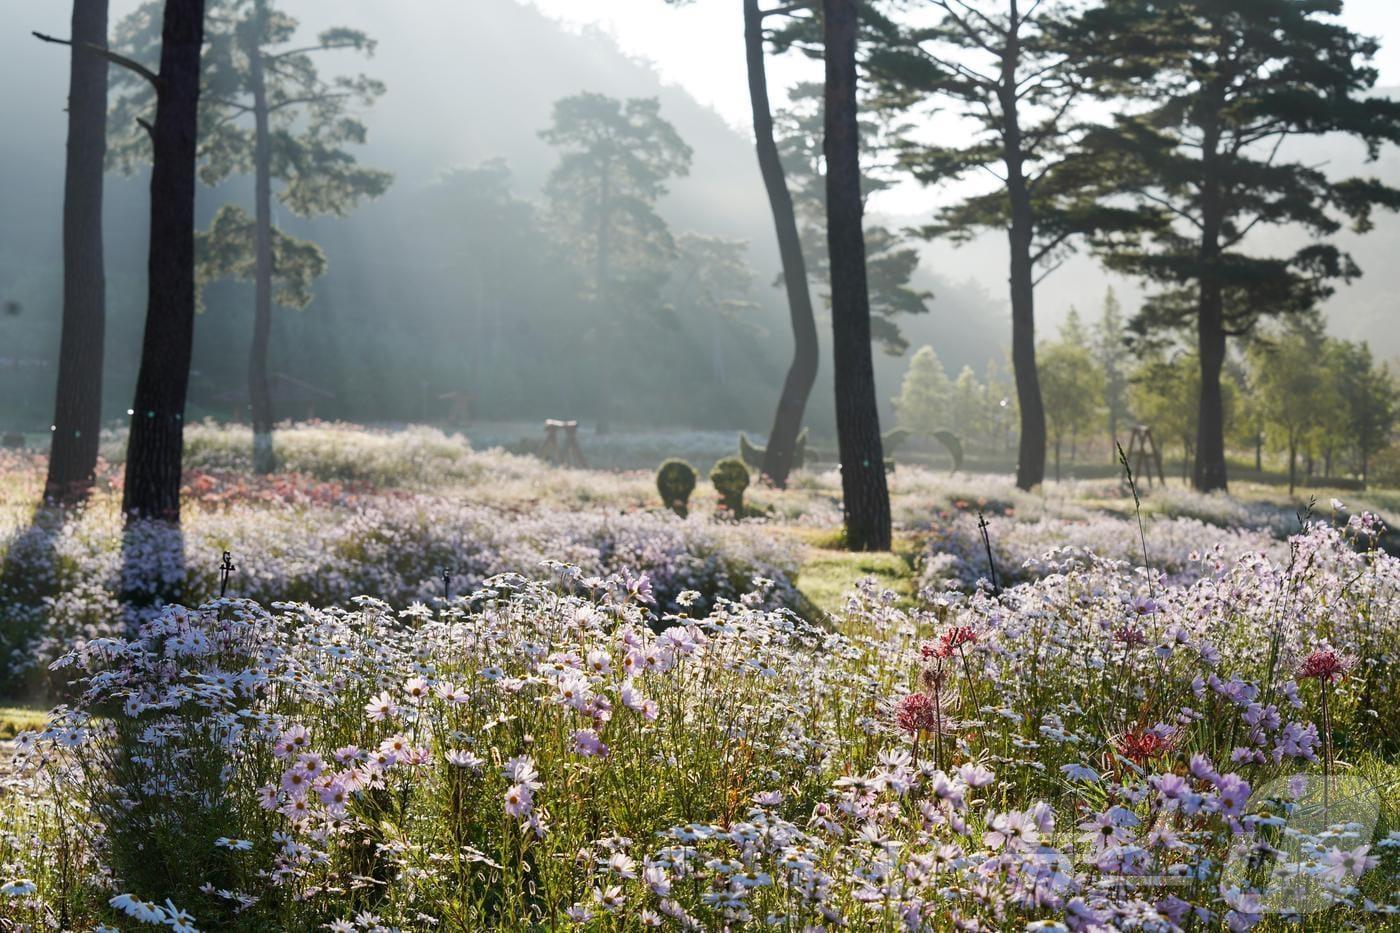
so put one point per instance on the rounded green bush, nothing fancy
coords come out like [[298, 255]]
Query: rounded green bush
[[675, 480], [731, 478]]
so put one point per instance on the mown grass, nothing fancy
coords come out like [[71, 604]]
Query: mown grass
[[830, 571], [16, 719]]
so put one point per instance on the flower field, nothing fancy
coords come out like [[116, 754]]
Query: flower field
[[610, 718]]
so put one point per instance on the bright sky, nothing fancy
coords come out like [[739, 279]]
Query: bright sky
[[700, 46]]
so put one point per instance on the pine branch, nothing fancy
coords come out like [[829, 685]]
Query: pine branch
[[324, 47], [785, 10], [128, 63]]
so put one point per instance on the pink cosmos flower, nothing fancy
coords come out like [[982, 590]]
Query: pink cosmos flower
[[587, 743], [415, 690], [380, 708]]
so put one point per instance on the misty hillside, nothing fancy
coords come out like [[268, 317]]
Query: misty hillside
[[445, 109]]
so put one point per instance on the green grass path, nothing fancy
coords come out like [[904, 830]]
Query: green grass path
[[830, 571]]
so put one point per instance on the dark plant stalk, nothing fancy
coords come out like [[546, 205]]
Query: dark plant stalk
[[987, 543], [1137, 508], [226, 569]]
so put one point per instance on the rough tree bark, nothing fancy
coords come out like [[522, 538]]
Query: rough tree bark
[[78, 402], [155, 445], [802, 374], [866, 499], [259, 395], [1030, 461], [1209, 472]]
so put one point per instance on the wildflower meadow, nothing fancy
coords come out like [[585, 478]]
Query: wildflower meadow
[[414, 698]]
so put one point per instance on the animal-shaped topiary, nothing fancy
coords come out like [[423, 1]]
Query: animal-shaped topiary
[[675, 480], [753, 455], [731, 478]]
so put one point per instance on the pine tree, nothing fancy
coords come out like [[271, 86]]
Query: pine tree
[[865, 496], [1073, 390], [802, 372], [1221, 84], [77, 417], [615, 160], [924, 403], [1001, 66], [155, 445], [1111, 348], [266, 112]]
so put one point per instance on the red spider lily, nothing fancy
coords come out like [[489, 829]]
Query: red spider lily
[[1141, 745], [948, 642], [1326, 665], [916, 713]]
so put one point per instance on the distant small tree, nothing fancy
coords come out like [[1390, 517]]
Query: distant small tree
[[1370, 402], [1162, 392], [492, 241], [1295, 389], [1110, 336], [1072, 387], [266, 112], [967, 406], [1073, 331], [925, 396]]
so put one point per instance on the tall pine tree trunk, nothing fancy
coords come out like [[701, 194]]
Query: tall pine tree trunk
[[78, 402], [259, 395], [155, 445], [1209, 472], [1030, 462], [866, 497], [802, 374]]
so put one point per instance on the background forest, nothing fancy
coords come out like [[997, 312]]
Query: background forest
[[415, 305]]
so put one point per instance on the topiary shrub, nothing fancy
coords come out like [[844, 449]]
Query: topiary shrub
[[675, 480], [731, 478]]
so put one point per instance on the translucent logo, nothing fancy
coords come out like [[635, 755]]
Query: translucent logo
[[1310, 845]]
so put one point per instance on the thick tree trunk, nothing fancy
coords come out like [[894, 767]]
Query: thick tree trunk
[[78, 402], [1030, 463], [802, 374], [1258, 453], [259, 394], [1209, 473], [1057, 459], [866, 497], [154, 448]]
